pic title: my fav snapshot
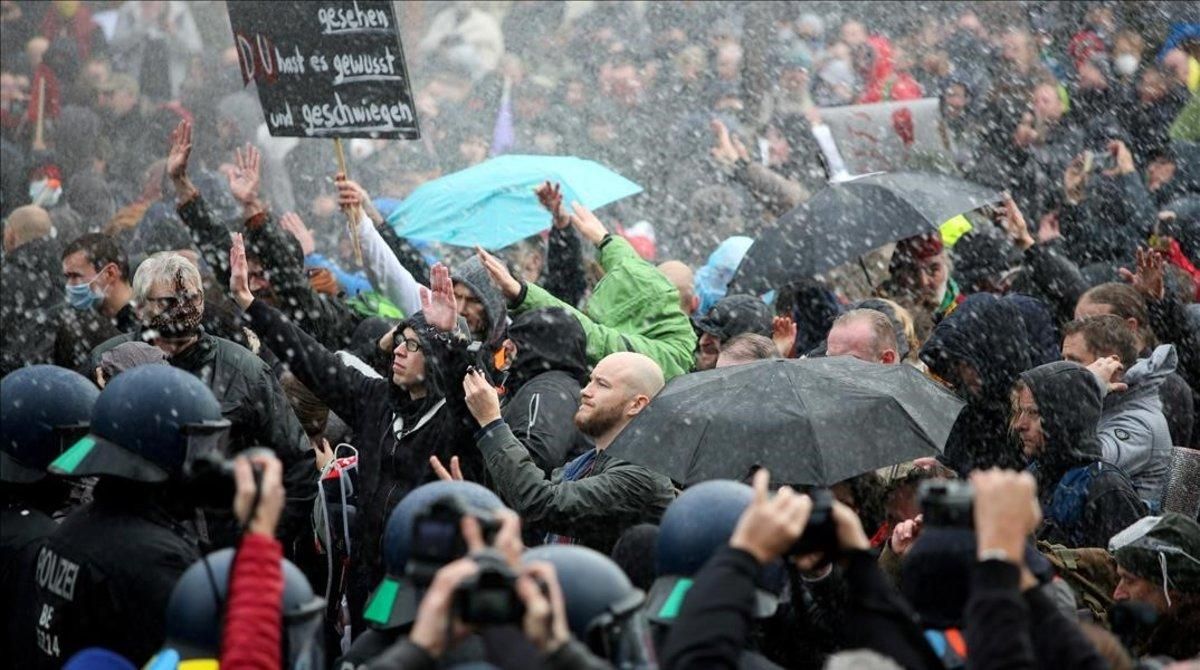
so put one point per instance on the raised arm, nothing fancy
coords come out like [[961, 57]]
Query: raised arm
[[210, 236], [394, 281], [564, 277]]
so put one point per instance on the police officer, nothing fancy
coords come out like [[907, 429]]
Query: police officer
[[105, 574], [43, 409]]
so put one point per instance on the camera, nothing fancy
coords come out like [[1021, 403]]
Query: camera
[[820, 534], [437, 536], [947, 503], [208, 473], [489, 597]]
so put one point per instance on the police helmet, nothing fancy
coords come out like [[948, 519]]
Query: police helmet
[[394, 602], [198, 604], [44, 409], [147, 423]]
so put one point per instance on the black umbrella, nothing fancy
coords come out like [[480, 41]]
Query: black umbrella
[[849, 219], [813, 421]]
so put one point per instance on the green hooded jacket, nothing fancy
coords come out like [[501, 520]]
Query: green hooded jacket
[[633, 308]]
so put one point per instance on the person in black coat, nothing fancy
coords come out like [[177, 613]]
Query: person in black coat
[[979, 350], [399, 423], [1085, 501], [715, 621], [548, 369]]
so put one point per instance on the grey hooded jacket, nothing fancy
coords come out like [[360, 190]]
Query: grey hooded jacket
[[1133, 431]]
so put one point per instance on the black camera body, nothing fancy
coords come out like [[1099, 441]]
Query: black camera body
[[947, 503], [820, 534], [489, 597], [437, 536], [208, 477]]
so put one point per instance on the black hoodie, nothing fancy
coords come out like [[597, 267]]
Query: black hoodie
[[543, 384], [1070, 400], [988, 334]]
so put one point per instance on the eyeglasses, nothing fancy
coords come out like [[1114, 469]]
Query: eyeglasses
[[409, 343], [168, 302]]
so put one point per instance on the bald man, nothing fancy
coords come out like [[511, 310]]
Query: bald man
[[682, 278], [594, 498], [24, 225], [864, 334]]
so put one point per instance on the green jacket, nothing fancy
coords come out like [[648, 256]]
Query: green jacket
[[633, 308], [594, 510], [1186, 127]]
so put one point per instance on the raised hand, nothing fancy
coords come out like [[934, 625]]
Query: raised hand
[[1149, 278], [292, 223], [1075, 180], [1122, 159], [501, 277], [905, 534], [1048, 228], [1014, 223], [265, 517], [1108, 370], [239, 273], [481, 398], [439, 306], [726, 150], [243, 181], [783, 334], [587, 224], [771, 524], [550, 197], [181, 149], [1006, 511], [453, 474]]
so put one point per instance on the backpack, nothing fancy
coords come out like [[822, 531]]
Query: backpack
[[1090, 572]]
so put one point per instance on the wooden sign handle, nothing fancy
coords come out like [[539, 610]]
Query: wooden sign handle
[[352, 214]]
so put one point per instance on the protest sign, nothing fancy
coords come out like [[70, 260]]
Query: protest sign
[[326, 68], [889, 136]]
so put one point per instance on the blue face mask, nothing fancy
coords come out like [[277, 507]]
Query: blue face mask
[[83, 297]]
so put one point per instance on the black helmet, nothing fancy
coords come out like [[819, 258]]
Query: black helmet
[[603, 607], [43, 410], [147, 423], [198, 603], [696, 524], [394, 602]]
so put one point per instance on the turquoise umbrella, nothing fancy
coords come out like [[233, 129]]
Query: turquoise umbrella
[[493, 204]]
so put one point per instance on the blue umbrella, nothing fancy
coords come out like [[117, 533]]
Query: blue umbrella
[[493, 204]]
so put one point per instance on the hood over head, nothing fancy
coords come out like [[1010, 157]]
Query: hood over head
[[989, 334], [1070, 400], [1148, 374], [472, 273], [547, 339]]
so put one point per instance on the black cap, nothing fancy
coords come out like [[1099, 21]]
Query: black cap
[[734, 315]]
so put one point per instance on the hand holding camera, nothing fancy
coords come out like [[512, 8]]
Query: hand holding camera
[[259, 497], [1006, 511], [771, 524]]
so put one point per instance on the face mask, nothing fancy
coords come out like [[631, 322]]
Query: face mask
[[1125, 64], [182, 320], [83, 298], [45, 193]]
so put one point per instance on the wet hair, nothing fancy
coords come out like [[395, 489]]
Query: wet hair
[[884, 335], [164, 265], [100, 250], [1126, 303], [750, 347], [1106, 335]]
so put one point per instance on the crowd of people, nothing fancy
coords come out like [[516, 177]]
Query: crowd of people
[[232, 432]]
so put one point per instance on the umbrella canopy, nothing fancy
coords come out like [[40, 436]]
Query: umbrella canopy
[[493, 204], [850, 218], [813, 421]]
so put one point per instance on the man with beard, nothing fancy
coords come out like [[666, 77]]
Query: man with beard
[[594, 498], [170, 305], [920, 275]]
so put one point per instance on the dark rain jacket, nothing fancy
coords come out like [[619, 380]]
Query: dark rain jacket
[[1076, 513], [543, 385], [324, 317], [1008, 629], [254, 402], [593, 510], [395, 435], [23, 530], [1179, 324], [104, 577], [988, 334]]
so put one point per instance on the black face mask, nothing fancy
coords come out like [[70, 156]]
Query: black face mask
[[180, 321]]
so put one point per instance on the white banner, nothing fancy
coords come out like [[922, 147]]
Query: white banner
[[890, 136]]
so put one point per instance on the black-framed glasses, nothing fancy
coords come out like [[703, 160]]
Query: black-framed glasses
[[409, 343]]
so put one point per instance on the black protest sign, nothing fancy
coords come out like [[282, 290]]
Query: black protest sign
[[326, 69]]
